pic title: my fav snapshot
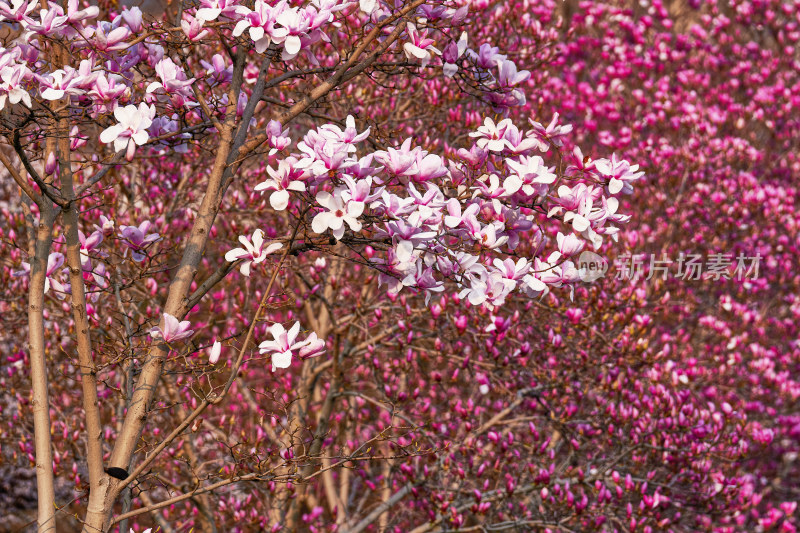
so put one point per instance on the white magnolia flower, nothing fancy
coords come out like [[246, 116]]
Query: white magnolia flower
[[338, 212], [132, 128], [254, 252]]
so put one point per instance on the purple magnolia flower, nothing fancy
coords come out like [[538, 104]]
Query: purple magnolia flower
[[452, 53], [107, 37], [172, 330], [217, 71], [137, 239], [508, 74]]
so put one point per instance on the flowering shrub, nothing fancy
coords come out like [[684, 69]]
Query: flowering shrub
[[375, 212]]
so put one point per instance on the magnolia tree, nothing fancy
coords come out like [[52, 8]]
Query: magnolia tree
[[231, 264], [313, 266]]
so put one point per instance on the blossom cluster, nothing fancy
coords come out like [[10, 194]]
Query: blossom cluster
[[458, 219]]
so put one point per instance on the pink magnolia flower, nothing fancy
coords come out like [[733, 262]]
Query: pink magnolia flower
[[137, 239], [553, 132], [420, 46], [349, 136], [17, 10], [620, 174], [284, 343], [52, 21], [54, 262], [508, 76], [11, 78], [253, 252], [193, 27], [281, 182], [534, 177], [455, 217], [75, 15], [106, 91], [211, 9], [106, 225], [131, 131], [338, 212], [569, 245], [172, 330], [260, 22], [107, 37], [277, 136], [401, 162], [55, 85], [173, 79], [87, 245]]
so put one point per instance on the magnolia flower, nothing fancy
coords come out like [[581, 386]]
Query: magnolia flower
[[131, 16], [553, 132], [451, 53], [193, 27], [213, 355], [17, 10], [490, 135], [281, 182], [107, 37], [106, 225], [210, 9], [620, 173], [349, 136], [533, 175], [569, 245], [284, 343], [132, 128], [55, 85], [277, 136], [54, 262], [11, 78], [87, 245], [252, 253], [420, 45], [137, 239], [338, 212], [172, 330], [367, 6], [52, 21], [173, 79]]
